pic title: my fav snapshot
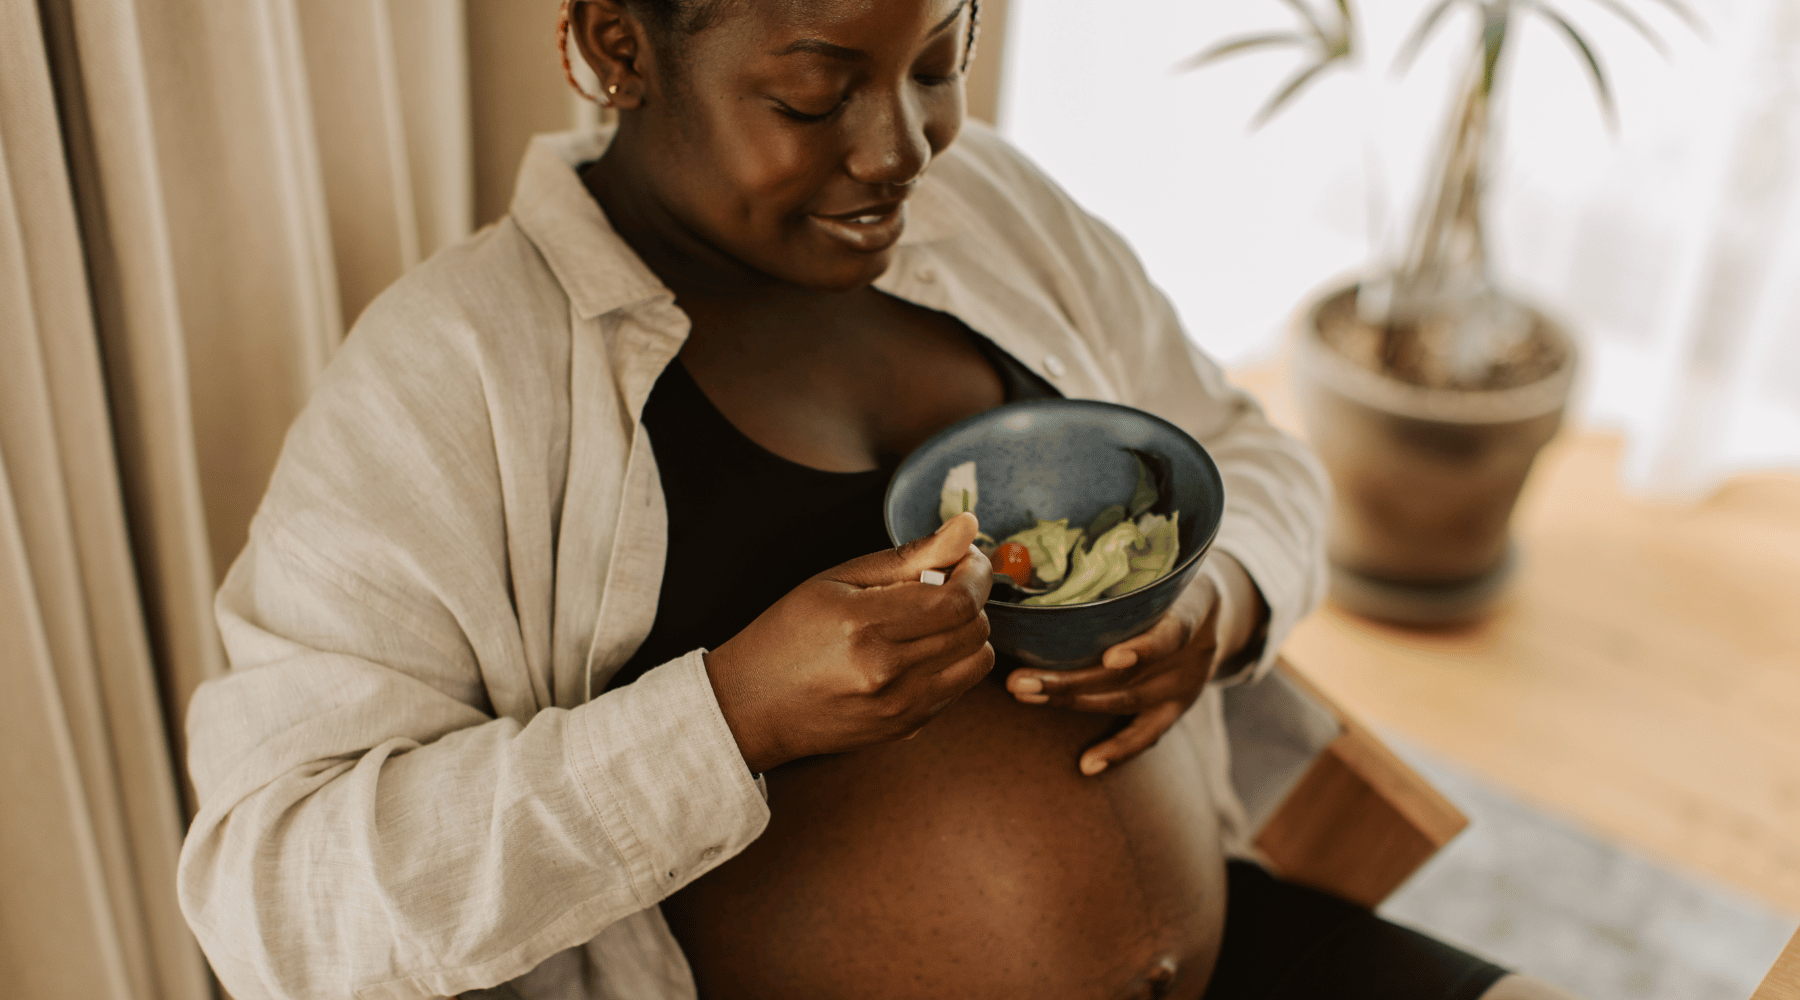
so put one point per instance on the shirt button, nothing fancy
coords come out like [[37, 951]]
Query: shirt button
[[927, 275], [1053, 365], [710, 853]]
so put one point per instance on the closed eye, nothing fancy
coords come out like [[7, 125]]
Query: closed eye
[[801, 116]]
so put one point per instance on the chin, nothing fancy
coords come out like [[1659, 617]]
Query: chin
[[836, 272]]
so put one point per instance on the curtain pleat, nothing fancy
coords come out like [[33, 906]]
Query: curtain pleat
[[389, 91], [1719, 393], [55, 917], [256, 295], [431, 55], [318, 325], [105, 100], [361, 140], [516, 90], [92, 798]]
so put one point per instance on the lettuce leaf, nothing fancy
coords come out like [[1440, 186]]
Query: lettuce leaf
[[1096, 570], [1154, 557], [1049, 544], [959, 492]]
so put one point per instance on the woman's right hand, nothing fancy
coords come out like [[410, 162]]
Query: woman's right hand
[[861, 654]]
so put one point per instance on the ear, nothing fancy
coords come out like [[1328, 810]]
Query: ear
[[616, 46]]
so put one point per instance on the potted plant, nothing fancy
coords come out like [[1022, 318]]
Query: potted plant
[[1426, 387]]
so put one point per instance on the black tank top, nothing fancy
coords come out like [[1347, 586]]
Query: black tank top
[[746, 525]]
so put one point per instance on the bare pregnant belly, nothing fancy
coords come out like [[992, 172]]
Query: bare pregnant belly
[[971, 861]]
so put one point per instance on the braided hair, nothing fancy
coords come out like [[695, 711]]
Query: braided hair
[[690, 16]]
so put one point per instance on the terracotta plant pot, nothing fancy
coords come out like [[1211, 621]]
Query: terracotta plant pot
[[1425, 479]]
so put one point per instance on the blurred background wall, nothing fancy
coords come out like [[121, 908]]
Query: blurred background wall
[[1671, 247]]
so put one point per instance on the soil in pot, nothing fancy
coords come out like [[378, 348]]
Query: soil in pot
[[1433, 353]]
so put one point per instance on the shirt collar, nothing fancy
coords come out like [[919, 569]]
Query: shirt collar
[[595, 265], [597, 268]]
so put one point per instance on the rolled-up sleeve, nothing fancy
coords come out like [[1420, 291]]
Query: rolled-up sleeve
[[365, 832]]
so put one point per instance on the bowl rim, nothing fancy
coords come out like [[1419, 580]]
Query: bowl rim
[[1211, 466]]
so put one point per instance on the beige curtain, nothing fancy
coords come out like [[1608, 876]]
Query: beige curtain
[[197, 197], [90, 822]]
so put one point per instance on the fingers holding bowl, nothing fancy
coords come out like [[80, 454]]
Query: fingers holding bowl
[[1152, 677], [1103, 690], [1121, 665], [1151, 693], [1139, 735], [1170, 633], [1060, 688]]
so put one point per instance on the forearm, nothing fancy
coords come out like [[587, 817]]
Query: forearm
[[1240, 618], [463, 861]]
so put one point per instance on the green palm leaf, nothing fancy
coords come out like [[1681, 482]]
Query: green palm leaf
[[1593, 64], [1330, 44], [1288, 90], [1312, 19], [1687, 16], [1497, 20], [1630, 17], [1246, 43], [1421, 32]]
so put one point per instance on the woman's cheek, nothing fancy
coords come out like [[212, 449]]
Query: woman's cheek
[[780, 175]]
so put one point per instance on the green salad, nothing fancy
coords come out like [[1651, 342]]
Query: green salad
[[1124, 548]]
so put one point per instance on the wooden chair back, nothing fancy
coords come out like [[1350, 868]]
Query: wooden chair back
[[1358, 821]]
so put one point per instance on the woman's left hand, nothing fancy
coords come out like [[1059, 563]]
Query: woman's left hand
[[1156, 675]]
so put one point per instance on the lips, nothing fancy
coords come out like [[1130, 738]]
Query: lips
[[870, 229]]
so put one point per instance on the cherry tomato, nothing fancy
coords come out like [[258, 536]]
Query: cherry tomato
[[1014, 560]]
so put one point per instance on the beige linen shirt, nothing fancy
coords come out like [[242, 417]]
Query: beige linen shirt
[[406, 790]]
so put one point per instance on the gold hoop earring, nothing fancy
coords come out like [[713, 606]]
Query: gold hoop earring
[[562, 49]]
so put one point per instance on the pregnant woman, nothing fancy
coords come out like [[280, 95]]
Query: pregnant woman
[[569, 657]]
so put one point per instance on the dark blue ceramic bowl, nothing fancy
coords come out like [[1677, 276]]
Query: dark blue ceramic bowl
[[1063, 458]]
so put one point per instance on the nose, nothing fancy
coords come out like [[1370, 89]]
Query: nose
[[891, 148]]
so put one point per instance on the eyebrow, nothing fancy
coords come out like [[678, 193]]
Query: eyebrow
[[819, 46]]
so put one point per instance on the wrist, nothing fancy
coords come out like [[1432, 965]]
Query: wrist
[[761, 752], [1241, 619]]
